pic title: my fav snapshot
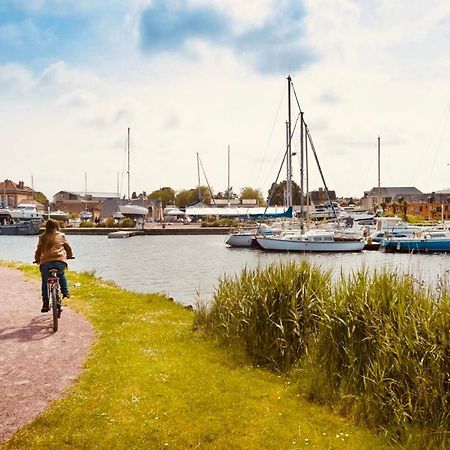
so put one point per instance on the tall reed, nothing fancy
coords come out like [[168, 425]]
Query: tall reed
[[376, 345], [270, 312], [382, 351]]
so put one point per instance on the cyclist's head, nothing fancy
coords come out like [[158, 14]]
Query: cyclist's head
[[51, 226]]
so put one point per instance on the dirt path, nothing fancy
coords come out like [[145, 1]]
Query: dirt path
[[36, 364]]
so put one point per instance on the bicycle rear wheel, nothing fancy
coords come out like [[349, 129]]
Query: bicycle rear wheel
[[55, 306]]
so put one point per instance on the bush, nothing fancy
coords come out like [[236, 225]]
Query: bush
[[127, 223], [86, 224]]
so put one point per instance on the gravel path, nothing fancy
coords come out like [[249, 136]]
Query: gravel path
[[36, 364]]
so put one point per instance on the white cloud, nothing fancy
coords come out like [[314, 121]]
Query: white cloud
[[381, 70]]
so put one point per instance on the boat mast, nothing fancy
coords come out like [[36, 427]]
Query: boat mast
[[198, 179], [302, 167], [128, 171], [228, 175], [379, 183], [288, 150]]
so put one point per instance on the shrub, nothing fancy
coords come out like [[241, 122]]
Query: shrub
[[86, 224], [127, 223]]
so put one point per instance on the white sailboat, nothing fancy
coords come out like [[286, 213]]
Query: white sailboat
[[314, 240], [130, 210]]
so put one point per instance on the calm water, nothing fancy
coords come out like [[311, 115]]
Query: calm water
[[185, 267]]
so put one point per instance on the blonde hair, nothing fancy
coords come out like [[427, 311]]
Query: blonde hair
[[48, 237]]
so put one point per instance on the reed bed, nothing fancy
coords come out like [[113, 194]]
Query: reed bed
[[270, 312], [374, 345]]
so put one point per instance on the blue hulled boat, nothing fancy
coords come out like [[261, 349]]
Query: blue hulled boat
[[425, 242]]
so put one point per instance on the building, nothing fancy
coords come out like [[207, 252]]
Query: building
[[13, 194], [428, 207], [381, 196], [320, 196]]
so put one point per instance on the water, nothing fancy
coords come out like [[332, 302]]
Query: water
[[189, 267]]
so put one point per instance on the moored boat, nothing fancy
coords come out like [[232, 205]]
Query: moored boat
[[21, 228], [312, 241], [424, 242]]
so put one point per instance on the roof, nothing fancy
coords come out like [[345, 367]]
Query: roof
[[392, 191], [9, 185]]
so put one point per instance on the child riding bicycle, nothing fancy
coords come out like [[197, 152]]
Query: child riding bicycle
[[52, 252]]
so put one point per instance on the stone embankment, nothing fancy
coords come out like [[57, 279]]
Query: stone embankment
[[154, 229]]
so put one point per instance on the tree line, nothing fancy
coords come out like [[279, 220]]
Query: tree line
[[169, 196]]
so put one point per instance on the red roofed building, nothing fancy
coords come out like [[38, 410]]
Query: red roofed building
[[13, 194]]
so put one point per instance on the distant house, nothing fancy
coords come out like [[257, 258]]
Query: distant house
[[378, 196], [320, 196], [13, 194]]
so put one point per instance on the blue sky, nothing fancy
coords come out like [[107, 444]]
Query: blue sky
[[196, 75]]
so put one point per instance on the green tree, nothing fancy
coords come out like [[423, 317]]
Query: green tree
[[190, 196], [277, 194], [251, 193], [165, 194], [41, 198]]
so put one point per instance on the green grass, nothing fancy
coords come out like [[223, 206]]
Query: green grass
[[151, 382]]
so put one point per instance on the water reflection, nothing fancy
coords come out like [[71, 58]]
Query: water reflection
[[184, 267]]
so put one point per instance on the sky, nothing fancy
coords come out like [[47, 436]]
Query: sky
[[201, 76]]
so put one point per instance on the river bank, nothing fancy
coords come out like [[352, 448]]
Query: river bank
[[151, 230], [144, 386]]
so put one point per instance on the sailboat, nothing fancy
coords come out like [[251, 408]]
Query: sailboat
[[86, 214], [314, 240], [130, 210]]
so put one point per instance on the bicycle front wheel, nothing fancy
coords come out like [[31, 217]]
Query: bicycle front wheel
[[55, 306]]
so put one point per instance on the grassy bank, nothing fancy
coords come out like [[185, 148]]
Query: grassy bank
[[151, 382], [374, 346]]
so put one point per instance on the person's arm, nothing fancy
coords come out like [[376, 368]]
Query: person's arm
[[67, 248], [37, 253]]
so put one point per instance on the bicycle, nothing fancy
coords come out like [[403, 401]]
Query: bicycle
[[54, 296]]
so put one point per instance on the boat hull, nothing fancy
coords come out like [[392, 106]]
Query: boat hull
[[133, 210], [241, 240], [26, 228], [274, 244], [415, 246]]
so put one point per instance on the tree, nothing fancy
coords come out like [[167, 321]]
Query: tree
[[251, 193], [190, 196], [40, 197], [277, 194], [165, 194]]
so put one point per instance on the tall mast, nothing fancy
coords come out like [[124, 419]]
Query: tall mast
[[302, 166], [228, 175], [379, 183], [128, 171], [289, 153], [198, 178]]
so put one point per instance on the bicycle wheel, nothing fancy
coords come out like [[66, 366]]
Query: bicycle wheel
[[55, 306]]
